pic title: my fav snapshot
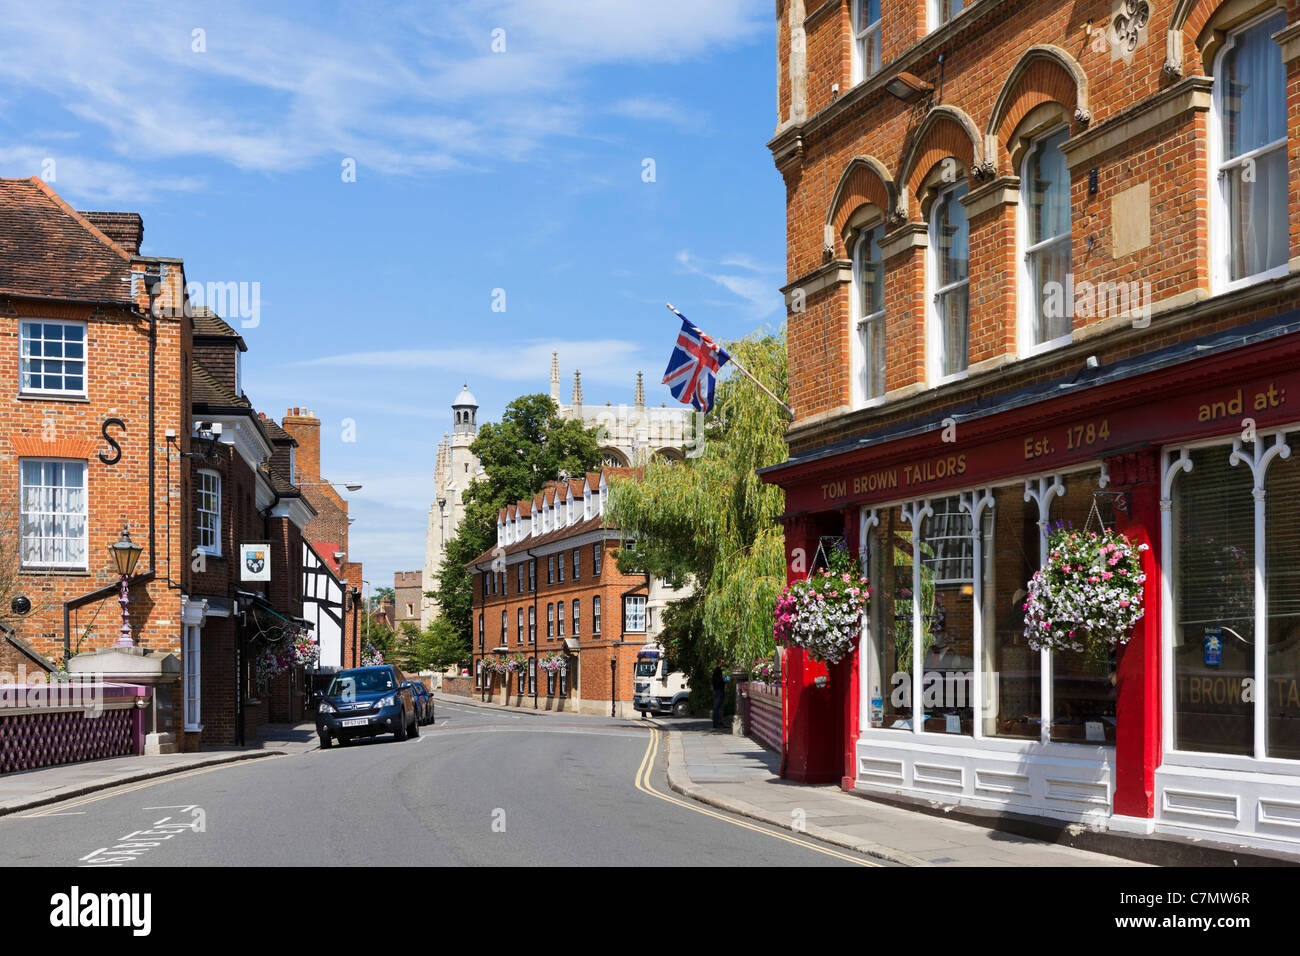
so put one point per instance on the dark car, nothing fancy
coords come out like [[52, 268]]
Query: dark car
[[423, 701], [366, 702]]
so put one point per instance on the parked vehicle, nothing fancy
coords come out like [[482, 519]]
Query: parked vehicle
[[423, 701], [655, 688], [366, 702]]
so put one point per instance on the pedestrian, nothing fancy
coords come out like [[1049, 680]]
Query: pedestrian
[[719, 692]]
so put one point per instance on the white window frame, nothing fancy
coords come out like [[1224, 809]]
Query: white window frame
[[1219, 213], [57, 515], [935, 12], [191, 660], [596, 559], [559, 619], [23, 339], [595, 615], [936, 338], [1026, 297], [519, 625], [863, 66], [532, 625], [859, 323], [634, 613], [199, 511], [577, 618]]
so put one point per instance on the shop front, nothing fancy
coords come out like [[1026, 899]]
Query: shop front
[[1192, 727]]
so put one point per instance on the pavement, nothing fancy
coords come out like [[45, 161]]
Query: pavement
[[739, 775], [34, 788]]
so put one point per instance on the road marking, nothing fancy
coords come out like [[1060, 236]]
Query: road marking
[[645, 786], [59, 808]]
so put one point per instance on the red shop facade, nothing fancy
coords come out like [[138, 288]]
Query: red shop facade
[[1192, 729]]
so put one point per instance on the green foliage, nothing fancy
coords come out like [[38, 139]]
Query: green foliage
[[528, 447], [446, 645], [712, 521], [378, 634]]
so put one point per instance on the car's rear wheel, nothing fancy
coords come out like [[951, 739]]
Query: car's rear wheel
[[415, 728], [400, 732]]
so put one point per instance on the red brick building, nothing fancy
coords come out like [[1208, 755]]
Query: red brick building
[[550, 595], [98, 407], [1040, 254]]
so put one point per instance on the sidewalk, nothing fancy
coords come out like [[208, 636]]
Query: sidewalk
[[34, 788], [737, 774]]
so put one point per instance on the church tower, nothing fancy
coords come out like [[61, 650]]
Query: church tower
[[454, 469]]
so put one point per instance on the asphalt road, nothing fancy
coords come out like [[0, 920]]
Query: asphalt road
[[481, 788]]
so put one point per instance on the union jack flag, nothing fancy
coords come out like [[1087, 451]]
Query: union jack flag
[[694, 365]]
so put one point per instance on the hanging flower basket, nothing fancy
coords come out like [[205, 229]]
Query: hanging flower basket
[[823, 613], [371, 656], [516, 664], [1088, 593], [555, 664]]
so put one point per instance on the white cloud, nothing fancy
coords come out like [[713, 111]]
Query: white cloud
[[81, 179], [760, 291], [412, 91], [649, 109]]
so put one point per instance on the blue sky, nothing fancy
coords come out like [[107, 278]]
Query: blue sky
[[476, 170]]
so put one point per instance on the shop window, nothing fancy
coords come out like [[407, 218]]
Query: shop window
[[1045, 231], [1282, 578], [1083, 682], [1214, 604], [191, 661], [868, 317], [947, 619], [1248, 140], [866, 38], [950, 285], [1011, 668], [890, 570]]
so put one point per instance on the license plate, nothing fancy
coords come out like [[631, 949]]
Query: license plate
[[356, 722]]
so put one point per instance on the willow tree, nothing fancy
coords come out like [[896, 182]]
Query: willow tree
[[711, 521]]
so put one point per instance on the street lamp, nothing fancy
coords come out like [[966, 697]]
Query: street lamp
[[125, 554]]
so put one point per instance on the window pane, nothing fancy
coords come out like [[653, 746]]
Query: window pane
[[1049, 268], [889, 564], [1254, 102], [948, 607], [1013, 691], [1257, 210], [954, 238], [1282, 528], [1214, 604], [1049, 190], [1083, 682], [954, 313]]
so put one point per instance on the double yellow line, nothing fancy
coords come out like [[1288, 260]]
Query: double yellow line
[[645, 786]]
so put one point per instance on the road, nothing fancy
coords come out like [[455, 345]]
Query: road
[[480, 788]]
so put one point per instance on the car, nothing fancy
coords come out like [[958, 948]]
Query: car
[[366, 702], [423, 701]]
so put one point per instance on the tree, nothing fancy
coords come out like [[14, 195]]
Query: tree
[[531, 445], [379, 596], [712, 521], [446, 645]]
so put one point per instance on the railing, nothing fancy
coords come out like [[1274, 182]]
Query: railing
[[761, 713], [42, 725]]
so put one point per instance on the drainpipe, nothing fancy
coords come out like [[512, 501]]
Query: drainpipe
[[537, 679]]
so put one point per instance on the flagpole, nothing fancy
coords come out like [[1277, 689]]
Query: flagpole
[[744, 371]]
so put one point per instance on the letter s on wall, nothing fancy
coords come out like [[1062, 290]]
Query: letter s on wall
[[113, 457]]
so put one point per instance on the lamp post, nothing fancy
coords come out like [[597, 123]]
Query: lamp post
[[125, 554]]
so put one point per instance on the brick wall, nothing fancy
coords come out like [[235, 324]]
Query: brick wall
[[988, 84]]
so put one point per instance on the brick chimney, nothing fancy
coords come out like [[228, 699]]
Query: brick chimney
[[124, 228], [304, 426]]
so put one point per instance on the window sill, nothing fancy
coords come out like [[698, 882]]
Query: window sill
[[949, 379], [82, 399], [1277, 272], [1044, 347], [54, 569]]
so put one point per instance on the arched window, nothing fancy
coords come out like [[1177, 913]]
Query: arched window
[[1045, 304], [1249, 156], [949, 281], [868, 316]]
